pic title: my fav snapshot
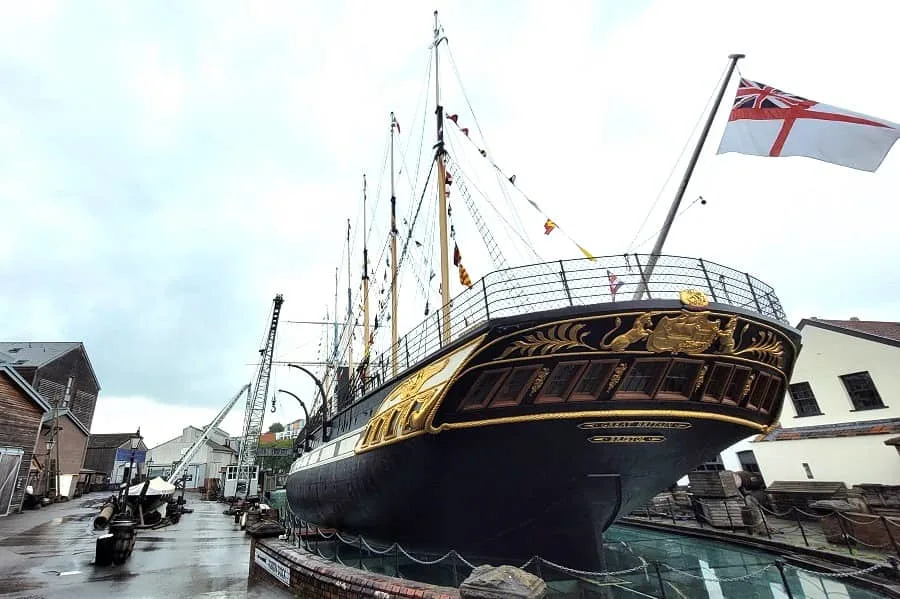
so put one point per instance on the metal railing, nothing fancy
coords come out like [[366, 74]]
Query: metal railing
[[560, 284], [566, 283]]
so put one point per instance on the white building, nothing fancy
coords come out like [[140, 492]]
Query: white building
[[208, 462], [842, 405]]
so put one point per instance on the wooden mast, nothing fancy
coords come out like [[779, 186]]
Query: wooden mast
[[365, 282], [350, 322], [442, 191], [394, 338], [673, 209]]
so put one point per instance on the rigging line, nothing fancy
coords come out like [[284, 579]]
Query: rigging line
[[486, 147], [490, 203], [652, 236], [404, 151], [384, 166], [687, 144]]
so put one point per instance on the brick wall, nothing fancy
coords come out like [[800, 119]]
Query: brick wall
[[314, 577]]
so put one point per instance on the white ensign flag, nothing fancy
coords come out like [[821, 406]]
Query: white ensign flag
[[769, 122]]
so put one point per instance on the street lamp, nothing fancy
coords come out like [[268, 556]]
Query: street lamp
[[49, 445], [305, 413]]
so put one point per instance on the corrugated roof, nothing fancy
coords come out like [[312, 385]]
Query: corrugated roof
[[34, 353], [885, 426]]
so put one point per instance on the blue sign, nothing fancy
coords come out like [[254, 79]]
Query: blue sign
[[124, 455]]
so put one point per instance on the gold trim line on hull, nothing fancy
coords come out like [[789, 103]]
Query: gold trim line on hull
[[601, 414]]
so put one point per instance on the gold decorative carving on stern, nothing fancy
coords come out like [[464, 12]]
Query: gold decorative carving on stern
[[616, 376], [627, 439], [539, 380], [747, 385], [687, 333], [559, 337], [700, 378], [639, 330], [693, 298], [766, 348]]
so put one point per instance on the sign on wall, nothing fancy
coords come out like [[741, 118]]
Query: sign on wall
[[271, 565], [124, 455]]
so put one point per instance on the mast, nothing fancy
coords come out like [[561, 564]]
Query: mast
[[394, 339], [442, 190], [673, 209], [350, 322], [365, 282]]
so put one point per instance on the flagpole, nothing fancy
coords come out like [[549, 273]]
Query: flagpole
[[673, 209]]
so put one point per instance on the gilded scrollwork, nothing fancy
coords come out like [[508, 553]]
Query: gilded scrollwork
[[699, 380], [539, 380], [766, 348], [693, 298], [747, 385], [556, 338], [639, 330]]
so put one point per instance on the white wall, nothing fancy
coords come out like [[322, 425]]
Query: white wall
[[852, 460], [825, 356]]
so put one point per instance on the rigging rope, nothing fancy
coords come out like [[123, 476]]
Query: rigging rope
[[631, 247]]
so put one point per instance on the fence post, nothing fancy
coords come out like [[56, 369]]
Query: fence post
[[562, 273], [671, 510], [537, 566], [887, 529], [762, 515], [487, 310], [728, 513], [753, 292], [662, 586], [844, 532], [784, 581], [712, 291], [360, 547], [797, 518]]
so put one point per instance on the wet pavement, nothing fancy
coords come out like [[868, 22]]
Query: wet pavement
[[48, 553]]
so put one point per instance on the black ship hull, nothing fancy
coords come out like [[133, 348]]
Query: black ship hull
[[532, 434]]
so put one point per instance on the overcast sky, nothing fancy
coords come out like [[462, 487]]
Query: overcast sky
[[166, 168]]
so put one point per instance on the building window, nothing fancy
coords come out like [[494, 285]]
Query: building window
[[748, 461], [808, 470], [862, 391], [805, 402]]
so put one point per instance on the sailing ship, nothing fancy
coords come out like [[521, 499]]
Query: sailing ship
[[538, 405]]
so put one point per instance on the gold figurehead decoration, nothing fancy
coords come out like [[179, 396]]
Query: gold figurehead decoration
[[693, 299]]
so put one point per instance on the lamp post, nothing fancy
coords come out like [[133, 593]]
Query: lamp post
[[321, 387], [49, 446], [305, 413], [135, 440]]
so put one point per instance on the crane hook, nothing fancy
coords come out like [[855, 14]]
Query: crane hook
[[273, 405]]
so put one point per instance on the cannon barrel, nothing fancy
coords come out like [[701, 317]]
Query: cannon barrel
[[102, 519]]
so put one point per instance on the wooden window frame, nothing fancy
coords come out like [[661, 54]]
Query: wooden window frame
[[726, 400], [706, 397], [654, 387], [775, 389], [671, 395], [812, 394], [756, 398], [545, 398], [534, 368], [578, 397], [466, 404]]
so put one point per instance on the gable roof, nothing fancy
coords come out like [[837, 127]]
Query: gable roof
[[36, 354], [48, 417], [23, 385], [108, 440], [872, 330]]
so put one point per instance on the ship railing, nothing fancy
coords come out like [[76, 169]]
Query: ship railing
[[560, 284]]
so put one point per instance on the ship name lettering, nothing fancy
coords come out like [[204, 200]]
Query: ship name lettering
[[634, 424]]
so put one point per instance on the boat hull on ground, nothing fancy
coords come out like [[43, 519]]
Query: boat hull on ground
[[532, 435]]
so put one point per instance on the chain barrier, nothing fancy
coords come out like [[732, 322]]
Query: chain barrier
[[644, 565], [753, 574]]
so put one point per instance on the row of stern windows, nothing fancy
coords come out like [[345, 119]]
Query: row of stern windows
[[591, 380], [861, 391]]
